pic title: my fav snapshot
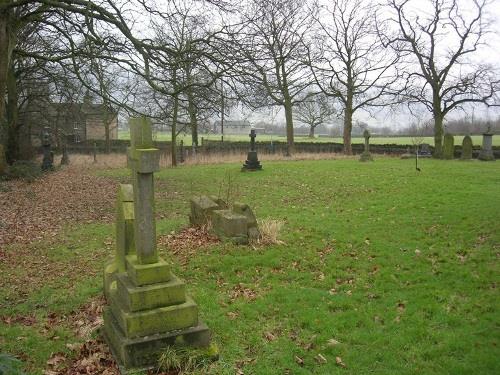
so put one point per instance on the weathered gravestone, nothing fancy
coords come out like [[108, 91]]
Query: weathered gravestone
[[366, 156], [148, 308], [425, 151], [467, 148], [486, 153], [237, 224], [48, 155], [448, 147], [252, 163]]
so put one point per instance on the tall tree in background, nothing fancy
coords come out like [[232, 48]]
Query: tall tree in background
[[315, 110], [441, 38], [353, 66], [271, 52]]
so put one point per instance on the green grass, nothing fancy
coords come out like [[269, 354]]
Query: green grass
[[400, 267], [165, 136]]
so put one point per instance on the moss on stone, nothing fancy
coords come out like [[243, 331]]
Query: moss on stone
[[448, 147]]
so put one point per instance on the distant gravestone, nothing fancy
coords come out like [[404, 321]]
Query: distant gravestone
[[448, 147], [252, 163], [425, 151], [466, 148], [148, 310], [486, 153], [3, 162], [366, 156], [48, 155]]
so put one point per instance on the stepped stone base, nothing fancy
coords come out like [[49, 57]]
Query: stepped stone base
[[134, 354], [252, 163]]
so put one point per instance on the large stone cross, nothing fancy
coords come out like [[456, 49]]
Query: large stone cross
[[252, 139], [143, 160]]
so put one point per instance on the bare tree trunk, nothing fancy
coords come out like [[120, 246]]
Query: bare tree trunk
[[173, 145], [311, 131], [289, 126], [5, 55], [438, 125], [348, 129], [192, 118], [12, 147], [107, 135]]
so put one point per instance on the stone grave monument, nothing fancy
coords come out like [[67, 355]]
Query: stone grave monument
[[366, 156], [425, 151], [148, 309], [486, 153], [252, 163], [237, 224], [467, 148], [448, 146], [48, 155]]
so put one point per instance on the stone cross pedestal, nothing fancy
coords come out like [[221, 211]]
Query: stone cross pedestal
[[366, 156], [252, 163], [486, 153], [148, 310]]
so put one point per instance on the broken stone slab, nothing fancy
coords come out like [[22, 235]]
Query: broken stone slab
[[253, 232], [230, 225], [202, 208]]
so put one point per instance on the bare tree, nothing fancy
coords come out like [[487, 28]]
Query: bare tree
[[354, 66], [271, 52], [441, 39], [316, 110]]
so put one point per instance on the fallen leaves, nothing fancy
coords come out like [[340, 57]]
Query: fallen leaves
[[339, 362], [38, 210], [241, 291], [187, 242]]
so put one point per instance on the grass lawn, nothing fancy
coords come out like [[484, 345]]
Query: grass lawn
[[383, 270], [165, 136]]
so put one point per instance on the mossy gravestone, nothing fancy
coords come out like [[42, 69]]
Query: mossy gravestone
[[148, 310], [486, 153], [448, 147], [467, 148]]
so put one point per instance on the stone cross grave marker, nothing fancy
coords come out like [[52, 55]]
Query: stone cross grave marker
[[252, 163], [148, 309], [143, 160], [366, 156]]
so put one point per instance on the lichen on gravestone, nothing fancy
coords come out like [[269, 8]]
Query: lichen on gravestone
[[466, 148], [448, 147]]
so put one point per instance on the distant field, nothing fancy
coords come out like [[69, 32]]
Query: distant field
[[163, 136]]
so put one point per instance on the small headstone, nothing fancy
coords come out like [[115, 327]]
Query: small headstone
[[448, 147], [424, 151], [252, 163], [467, 148], [486, 153], [48, 155], [366, 156]]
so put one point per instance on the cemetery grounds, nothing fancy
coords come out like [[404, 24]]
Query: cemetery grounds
[[378, 269]]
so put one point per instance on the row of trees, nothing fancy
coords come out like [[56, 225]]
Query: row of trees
[[183, 61]]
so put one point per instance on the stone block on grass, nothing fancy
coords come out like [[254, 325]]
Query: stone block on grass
[[230, 225]]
